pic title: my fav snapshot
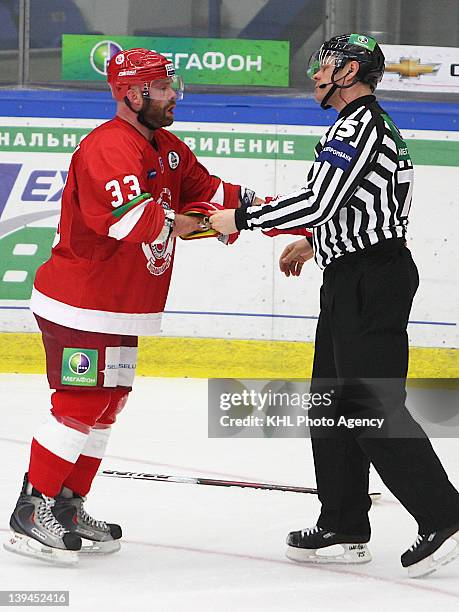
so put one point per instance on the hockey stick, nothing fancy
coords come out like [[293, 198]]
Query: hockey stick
[[264, 486]]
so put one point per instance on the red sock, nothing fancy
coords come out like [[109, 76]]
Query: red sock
[[80, 478], [82, 474], [58, 443], [46, 470]]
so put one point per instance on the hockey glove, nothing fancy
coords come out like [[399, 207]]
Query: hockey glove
[[201, 210]]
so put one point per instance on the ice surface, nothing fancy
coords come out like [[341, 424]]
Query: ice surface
[[190, 547]]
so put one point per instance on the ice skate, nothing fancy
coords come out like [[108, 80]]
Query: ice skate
[[37, 533], [98, 537], [421, 559], [317, 545]]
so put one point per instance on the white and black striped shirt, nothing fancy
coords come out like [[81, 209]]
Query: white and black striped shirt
[[358, 190]]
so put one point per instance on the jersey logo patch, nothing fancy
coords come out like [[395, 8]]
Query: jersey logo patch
[[174, 159], [151, 174], [159, 256], [337, 153]]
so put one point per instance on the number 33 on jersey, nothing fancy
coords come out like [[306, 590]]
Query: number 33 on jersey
[[112, 255]]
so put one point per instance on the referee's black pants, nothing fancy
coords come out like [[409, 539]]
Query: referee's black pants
[[361, 341]]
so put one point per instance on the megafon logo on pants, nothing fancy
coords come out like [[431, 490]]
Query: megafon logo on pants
[[79, 363], [102, 53], [79, 367]]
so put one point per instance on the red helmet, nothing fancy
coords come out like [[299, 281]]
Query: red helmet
[[140, 67]]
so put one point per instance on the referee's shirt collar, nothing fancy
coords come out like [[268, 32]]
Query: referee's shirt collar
[[354, 105]]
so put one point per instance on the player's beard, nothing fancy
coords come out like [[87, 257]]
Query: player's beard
[[158, 115]]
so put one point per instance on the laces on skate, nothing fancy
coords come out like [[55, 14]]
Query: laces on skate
[[430, 551], [91, 521], [47, 518]]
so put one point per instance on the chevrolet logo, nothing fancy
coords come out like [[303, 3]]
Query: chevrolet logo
[[407, 68]]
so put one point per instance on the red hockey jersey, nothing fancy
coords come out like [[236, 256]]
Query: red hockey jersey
[[110, 269]]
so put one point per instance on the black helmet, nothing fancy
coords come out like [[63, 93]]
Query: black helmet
[[340, 49]]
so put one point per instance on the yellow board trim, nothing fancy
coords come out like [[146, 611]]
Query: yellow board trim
[[218, 358]]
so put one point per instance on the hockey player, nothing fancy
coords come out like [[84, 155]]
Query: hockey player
[[106, 282], [357, 199]]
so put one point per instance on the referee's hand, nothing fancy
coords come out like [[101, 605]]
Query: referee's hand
[[222, 221], [294, 256]]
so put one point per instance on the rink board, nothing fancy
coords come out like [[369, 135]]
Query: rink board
[[219, 358], [238, 299]]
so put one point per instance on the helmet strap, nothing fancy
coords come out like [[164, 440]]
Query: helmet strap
[[324, 104]]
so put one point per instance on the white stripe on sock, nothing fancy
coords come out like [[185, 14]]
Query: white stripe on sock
[[65, 442], [97, 442]]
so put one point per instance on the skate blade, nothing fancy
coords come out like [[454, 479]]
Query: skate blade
[[350, 554], [91, 547], [29, 547], [430, 564]]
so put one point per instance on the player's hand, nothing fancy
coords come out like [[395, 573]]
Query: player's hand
[[198, 225], [294, 256], [223, 221], [186, 224]]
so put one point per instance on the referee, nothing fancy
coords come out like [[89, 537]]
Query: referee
[[357, 200]]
